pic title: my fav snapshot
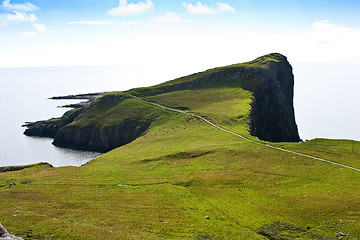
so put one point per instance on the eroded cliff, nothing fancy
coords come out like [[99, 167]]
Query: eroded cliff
[[100, 126], [271, 81]]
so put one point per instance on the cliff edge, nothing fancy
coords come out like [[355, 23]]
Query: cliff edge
[[271, 81]]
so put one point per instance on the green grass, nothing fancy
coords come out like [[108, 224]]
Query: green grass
[[114, 109], [260, 63], [165, 183], [229, 107]]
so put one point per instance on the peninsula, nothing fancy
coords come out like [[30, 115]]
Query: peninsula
[[212, 155], [106, 123]]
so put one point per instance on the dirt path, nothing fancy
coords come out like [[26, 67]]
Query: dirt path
[[247, 139]]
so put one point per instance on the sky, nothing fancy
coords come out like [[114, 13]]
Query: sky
[[206, 33]]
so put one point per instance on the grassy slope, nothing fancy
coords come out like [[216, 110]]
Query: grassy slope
[[163, 184], [261, 62]]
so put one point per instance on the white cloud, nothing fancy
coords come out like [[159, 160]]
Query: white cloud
[[40, 27], [203, 9], [224, 7], [24, 7], [335, 40], [21, 13], [128, 9], [324, 31], [22, 17], [18, 17], [169, 17], [199, 9], [324, 42]]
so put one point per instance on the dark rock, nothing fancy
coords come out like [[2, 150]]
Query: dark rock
[[2, 230], [89, 96], [100, 139], [4, 235], [272, 114], [75, 105], [49, 128]]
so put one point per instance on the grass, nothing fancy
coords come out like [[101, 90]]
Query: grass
[[164, 184], [184, 179], [261, 63], [229, 107]]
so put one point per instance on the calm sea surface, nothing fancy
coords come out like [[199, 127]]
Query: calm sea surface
[[326, 103], [327, 100]]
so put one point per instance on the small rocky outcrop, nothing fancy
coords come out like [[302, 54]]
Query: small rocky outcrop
[[49, 128], [5, 235], [19, 168]]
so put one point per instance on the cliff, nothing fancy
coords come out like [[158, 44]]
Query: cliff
[[100, 139], [100, 126], [272, 116], [116, 119], [271, 81]]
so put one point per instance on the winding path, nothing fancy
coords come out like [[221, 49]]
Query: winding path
[[244, 138]]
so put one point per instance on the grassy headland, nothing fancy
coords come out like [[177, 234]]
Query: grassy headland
[[184, 179]]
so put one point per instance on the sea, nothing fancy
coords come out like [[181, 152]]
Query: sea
[[326, 103]]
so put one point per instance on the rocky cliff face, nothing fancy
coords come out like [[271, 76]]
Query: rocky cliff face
[[100, 139], [271, 81], [100, 126], [50, 128], [272, 115]]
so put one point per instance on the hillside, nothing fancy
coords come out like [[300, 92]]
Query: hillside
[[181, 178]]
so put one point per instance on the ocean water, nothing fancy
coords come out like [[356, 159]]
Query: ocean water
[[326, 103]]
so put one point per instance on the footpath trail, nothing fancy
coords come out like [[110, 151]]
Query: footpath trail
[[245, 138]]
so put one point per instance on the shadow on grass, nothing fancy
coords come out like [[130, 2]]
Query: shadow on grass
[[286, 231]]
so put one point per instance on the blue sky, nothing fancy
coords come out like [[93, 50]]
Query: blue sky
[[207, 32]]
